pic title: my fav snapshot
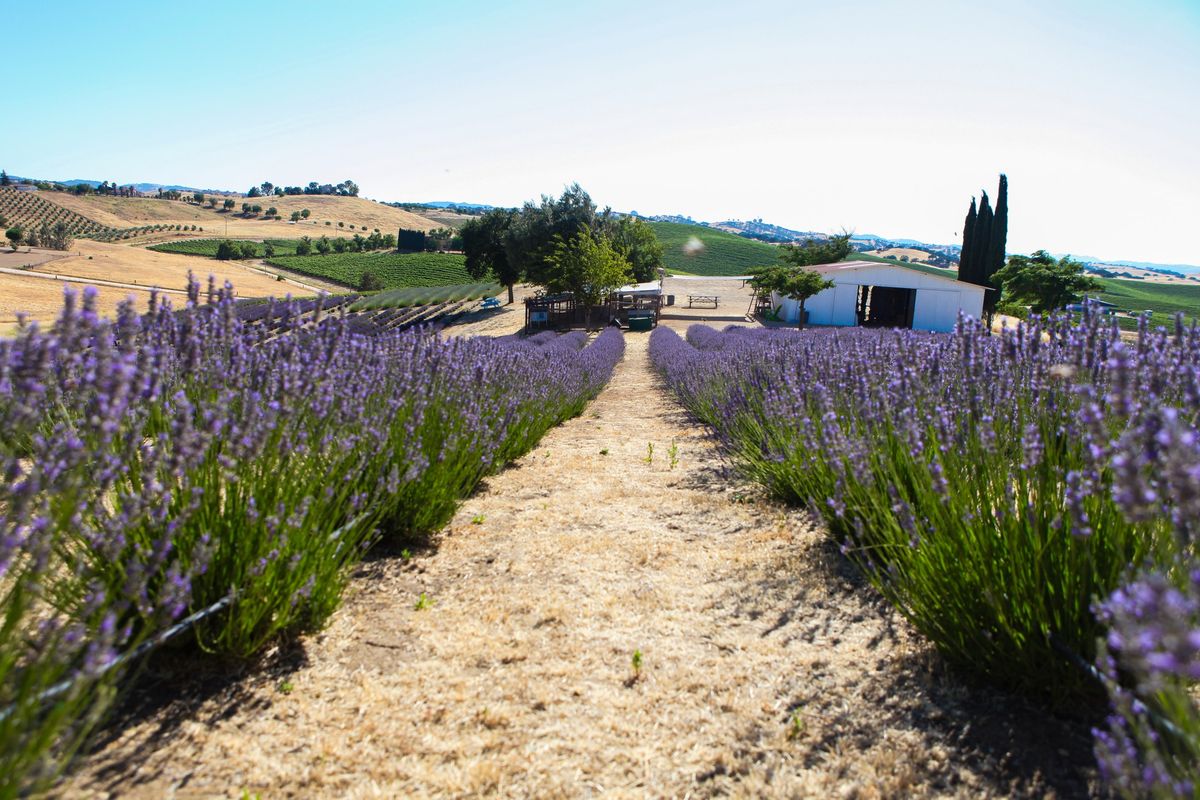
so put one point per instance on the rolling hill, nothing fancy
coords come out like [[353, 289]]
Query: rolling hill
[[124, 212], [1163, 299], [723, 253]]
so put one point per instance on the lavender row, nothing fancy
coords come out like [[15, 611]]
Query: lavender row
[[1000, 491], [159, 463]]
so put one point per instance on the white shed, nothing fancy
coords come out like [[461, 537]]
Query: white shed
[[886, 295]]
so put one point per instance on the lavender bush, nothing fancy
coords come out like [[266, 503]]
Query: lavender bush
[[990, 486], [1151, 745], [164, 462]]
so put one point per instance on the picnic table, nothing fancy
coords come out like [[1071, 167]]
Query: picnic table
[[704, 298]]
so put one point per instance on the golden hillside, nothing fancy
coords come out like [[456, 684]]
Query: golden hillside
[[350, 210], [128, 212]]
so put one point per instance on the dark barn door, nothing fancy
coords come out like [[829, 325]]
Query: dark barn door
[[886, 306]]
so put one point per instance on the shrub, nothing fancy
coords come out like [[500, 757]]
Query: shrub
[[369, 282]]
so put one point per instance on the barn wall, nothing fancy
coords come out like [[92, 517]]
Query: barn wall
[[938, 300]]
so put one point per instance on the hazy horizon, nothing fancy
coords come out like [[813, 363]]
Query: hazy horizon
[[883, 118]]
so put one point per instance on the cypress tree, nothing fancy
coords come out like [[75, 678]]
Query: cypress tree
[[968, 242], [981, 245], [996, 246]]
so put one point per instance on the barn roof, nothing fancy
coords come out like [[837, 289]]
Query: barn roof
[[848, 266]]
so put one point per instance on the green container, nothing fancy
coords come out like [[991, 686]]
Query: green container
[[641, 323]]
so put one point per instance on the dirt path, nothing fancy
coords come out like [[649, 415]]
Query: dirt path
[[89, 281], [765, 668]]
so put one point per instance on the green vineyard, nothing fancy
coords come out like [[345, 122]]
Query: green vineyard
[[394, 270]]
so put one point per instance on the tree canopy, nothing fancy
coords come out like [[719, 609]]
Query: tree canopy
[[638, 244], [814, 252], [588, 266], [527, 244], [1044, 282], [486, 243]]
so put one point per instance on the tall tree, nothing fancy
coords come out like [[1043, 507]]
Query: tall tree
[[410, 241], [4, 179], [539, 227], [487, 241], [587, 266], [968, 245], [637, 242], [996, 248], [985, 235]]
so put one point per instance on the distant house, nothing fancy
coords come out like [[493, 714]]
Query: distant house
[[885, 295]]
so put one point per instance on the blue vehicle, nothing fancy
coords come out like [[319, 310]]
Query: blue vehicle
[[490, 302]]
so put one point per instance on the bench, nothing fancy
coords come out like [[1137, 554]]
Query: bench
[[704, 298]]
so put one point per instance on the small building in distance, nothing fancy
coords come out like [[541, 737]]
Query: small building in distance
[[884, 295]]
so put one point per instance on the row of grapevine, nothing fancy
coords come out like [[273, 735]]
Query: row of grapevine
[[393, 270]]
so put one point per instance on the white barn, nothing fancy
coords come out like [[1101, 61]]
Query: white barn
[[885, 295]]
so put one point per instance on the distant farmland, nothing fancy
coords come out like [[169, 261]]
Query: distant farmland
[[723, 253], [1165, 300], [394, 269]]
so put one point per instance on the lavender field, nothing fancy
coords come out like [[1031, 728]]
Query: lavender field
[[1029, 501], [193, 467]]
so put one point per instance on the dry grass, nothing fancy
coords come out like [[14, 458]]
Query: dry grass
[[41, 299], [350, 210], [897, 252], [128, 212], [115, 262], [766, 669]]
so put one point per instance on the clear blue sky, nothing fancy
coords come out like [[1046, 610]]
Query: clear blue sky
[[882, 117]]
